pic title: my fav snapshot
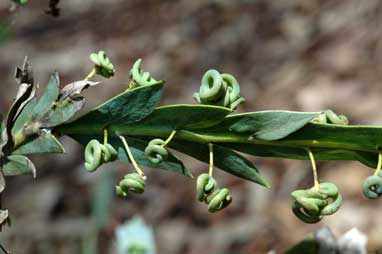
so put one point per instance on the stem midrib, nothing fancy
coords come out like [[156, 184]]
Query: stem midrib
[[211, 137]]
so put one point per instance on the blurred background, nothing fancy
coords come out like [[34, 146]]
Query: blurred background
[[305, 55]]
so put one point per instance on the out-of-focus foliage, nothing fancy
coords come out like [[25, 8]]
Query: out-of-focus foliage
[[323, 241], [134, 237]]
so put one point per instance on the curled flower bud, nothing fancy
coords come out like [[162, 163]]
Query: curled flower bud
[[96, 154], [103, 65], [328, 116], [140, 77], [372, 187], [218, 200], [155, 151], [311, 205], [205, 184], [131, 182], [109, 153], [93, 155], [220, 90]]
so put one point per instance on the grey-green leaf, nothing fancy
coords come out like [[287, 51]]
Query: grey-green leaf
[[44, 143], [128, 107], [184, 116], [18, 165], [24, 118], [224, 158], [49, 97], [271, 125], [62, 112]]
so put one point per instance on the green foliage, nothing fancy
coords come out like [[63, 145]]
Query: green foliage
[[68, 104], [49, 97], [27, 128], [44, 142], [18, 165], [299, 153], [128, 107], [135, 130], [284, 134], [225, 159], [182, 117]]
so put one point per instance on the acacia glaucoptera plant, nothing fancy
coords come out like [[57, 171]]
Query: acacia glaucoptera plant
[[132, 128]]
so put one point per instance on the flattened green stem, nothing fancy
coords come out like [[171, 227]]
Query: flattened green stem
[[313, 137], [91, 74], [127, 148], [379, 166], [168, 140], [314, 169], [211, 169]]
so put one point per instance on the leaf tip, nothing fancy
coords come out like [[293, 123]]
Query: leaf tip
[[263, 182]]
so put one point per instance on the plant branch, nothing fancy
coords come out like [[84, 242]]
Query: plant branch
[[302, 141]]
